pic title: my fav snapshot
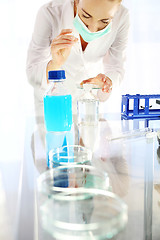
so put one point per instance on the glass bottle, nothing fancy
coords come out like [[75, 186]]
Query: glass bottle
[[57, 103], [88, 106]]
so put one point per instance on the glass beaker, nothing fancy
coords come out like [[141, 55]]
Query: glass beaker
[[69, 178], [69, 154]]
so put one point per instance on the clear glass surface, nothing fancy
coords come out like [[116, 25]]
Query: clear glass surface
[[88, 106], [128, 152], [88, 111], [69, 178], [148, 132], [84, 214], [70, 154]]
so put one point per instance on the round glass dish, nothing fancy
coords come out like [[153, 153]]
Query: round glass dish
[[71, 154], [68, 178], [95, 214]]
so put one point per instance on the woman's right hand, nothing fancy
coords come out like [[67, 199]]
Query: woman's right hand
[[61, 47]]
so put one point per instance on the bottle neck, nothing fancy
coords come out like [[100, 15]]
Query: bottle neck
[[88, 93], [56, 84], [56, 81], [56, 88]]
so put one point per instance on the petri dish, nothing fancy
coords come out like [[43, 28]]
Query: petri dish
[[68, 178], [70, 154], [95, 214]]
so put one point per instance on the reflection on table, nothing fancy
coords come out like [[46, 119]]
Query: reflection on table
[[132, 165]]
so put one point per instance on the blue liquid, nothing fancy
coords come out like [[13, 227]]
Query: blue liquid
[[58, 113]]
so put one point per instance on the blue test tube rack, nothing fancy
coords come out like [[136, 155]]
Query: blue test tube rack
[[138, 111]]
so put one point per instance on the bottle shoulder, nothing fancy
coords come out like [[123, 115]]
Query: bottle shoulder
[[56, 89], [88, 96]]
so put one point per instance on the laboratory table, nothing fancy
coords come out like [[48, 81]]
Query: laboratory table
[[127, 150]]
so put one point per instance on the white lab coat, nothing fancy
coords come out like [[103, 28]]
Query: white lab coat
[[103, 55]]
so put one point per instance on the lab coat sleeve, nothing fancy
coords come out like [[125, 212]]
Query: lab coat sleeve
[[39, 53], [115, 57]]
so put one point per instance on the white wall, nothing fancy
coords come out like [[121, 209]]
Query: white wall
[[143, 63], [16, 96], [142, 73]]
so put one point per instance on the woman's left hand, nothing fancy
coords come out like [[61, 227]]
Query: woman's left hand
[[102, 81]]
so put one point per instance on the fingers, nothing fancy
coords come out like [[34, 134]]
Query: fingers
[[95, 81], [64, 40], [102, 81], [56, 48], [65, 35], [66, 31], [107, 87], [90, 80], [107, 81]]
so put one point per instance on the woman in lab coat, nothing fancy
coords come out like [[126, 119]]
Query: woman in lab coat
[[86, 38]]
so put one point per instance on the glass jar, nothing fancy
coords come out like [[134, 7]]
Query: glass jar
[[88, 106]]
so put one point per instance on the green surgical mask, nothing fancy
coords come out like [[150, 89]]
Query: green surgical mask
[[87, 35]]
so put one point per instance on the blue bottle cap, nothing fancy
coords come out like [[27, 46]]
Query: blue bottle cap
[[56, 75]]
